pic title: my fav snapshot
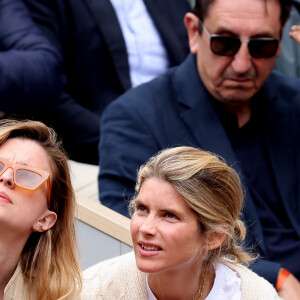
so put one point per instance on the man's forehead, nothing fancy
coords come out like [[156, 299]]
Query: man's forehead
[[245, 13], [262, 7]]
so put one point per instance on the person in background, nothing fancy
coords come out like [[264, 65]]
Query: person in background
[[224, 98], [30, 66], [289, 60], [186, 236], [37, 237], [295, 33], [108, 46]]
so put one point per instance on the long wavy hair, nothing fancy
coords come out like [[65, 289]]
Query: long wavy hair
[[49, 259], [211, 189]]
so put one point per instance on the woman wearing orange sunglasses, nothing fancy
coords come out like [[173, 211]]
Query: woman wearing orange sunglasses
[[37, 236]]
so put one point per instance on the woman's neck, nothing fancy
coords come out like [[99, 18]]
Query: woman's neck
[[9, 257], [7, 270], [177, 285]]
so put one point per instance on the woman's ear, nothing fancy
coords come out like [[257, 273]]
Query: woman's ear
[[47, 220], [191, 23], [215, 240]]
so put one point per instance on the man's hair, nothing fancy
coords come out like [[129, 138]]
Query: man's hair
[[201, 9]]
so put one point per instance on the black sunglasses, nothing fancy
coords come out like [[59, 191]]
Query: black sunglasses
[[228, 45]]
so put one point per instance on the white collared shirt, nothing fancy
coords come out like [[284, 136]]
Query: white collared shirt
[[147, 55], [227, 285]]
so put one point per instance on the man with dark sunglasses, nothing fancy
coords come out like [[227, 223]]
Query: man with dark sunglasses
[[223, 98]]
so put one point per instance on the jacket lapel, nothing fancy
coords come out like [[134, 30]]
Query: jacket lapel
[[198, 112], [174, 45], [108, 24]]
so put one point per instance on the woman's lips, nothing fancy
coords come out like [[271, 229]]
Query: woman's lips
[[4, 198], [148, 249]]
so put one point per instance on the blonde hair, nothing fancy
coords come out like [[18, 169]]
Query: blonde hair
[[49, 259], [210, 188]]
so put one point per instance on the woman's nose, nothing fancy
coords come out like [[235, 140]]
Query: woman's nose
[[7, 178], [149, 226]]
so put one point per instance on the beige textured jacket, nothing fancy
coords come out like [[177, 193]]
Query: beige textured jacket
[[119, 278], [16, 288]]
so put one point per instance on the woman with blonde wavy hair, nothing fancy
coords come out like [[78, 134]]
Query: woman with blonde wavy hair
[[37, 237], [186, 236]]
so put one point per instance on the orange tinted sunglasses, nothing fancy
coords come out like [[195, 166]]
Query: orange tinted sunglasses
[[27, 177]]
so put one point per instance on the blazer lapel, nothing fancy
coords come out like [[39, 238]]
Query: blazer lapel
[[108, 24], [198, 112], [172, 42]]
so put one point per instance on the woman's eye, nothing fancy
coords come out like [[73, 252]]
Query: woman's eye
[[170, 215], [141, 207]]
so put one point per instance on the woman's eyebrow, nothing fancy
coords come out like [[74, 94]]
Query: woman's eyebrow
[[17, 162], [139, 202]]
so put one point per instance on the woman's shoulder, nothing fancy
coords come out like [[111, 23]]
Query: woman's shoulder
[[116, 278], [253, 286], [120, 263], [16, 287]]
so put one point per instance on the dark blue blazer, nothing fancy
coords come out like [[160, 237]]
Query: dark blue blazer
[[29, 66], [96, 66], [175, 110]]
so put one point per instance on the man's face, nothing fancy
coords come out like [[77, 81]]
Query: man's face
[[233, 80]]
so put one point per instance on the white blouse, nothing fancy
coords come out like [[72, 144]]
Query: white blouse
[[227, 285]]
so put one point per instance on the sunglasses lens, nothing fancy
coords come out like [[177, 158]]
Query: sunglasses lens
[[2, 166], [28, 179], [260, 48], [224, 45]]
